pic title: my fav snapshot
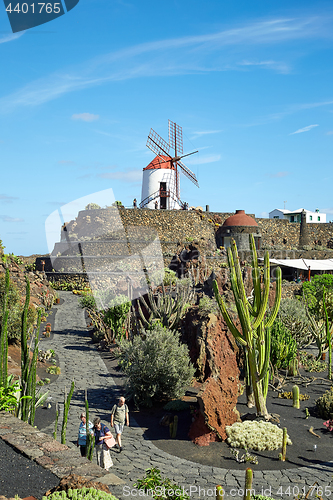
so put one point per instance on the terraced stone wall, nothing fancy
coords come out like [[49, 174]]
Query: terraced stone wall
[[282, 233]]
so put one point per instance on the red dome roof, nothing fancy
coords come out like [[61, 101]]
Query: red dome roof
[[240, 219], [160, 162]]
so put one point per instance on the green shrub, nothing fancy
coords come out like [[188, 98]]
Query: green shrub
[[87, 300], [324, 404], [15, 308], [283, 346], [293, 315], [157, 366], [115, 316], [310, 363], [208, 305], [176, 405], [313, 293], [80, 494], [158, 488]]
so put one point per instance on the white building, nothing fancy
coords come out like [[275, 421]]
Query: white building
[[159, 185], [295, 216]]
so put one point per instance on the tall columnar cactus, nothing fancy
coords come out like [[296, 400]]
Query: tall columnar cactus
[[328, 338], [67, 402], [56, 422], [282, 455], [296, 397], [4, 337], [27, 404], [248, 484], [254, 334], [173, 427], [90, 438], [219, 492]]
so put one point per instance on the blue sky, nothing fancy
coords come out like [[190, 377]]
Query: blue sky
[[250, 82]]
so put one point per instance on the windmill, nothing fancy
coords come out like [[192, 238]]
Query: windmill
[[168, 153]]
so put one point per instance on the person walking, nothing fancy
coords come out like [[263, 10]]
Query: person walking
[[102, 432], [119, 416], [135, 205], [82, 436]]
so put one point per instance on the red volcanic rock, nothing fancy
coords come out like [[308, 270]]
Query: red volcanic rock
[[199, 432], [213, 352]]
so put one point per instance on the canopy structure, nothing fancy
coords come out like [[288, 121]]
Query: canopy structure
[[305, 264]]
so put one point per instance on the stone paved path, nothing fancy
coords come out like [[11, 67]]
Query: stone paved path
[[79, 360]]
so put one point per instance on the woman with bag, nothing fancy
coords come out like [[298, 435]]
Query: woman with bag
[[102, 437]]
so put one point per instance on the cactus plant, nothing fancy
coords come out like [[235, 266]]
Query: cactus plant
[[324, 404], [328, 338], [296, 397], [254, 334], [173, 427], [248, 483], [282, 455], [166, 309], [56, 422], [27, 405], [219, 492], [67, 402], [4, 336], [80, 494], [90, 438]]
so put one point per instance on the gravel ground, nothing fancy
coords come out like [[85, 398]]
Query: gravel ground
[[26, 477]]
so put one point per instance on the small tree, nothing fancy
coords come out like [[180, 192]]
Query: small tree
[[115, 316], [157, 366]]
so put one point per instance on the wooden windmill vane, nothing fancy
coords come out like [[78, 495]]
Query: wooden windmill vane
[[172, 162]]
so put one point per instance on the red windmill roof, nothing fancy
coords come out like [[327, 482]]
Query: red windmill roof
[[240, 219], [160, 162]]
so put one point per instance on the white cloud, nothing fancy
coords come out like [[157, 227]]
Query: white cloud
[[202, 133], [169, 57], [7, 199], [304, 129], [279, 66], [129, 175], [330, 132], [11, 37], [85, 117], [203, 160], [7, 218]]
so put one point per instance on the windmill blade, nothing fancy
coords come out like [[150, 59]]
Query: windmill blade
[[188, 173], [158, 145], [176, 138]]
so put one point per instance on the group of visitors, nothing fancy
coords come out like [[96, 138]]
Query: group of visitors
[[102, 434]]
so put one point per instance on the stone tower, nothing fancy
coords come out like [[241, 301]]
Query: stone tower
[[304, 238]]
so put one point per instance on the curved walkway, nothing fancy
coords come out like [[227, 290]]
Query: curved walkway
[[79, 360]]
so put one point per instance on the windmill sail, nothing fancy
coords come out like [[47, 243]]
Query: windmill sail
[[188, 173], [176, 137], [157, 145]]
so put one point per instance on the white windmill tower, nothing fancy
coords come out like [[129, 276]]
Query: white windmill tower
[[160, 181]]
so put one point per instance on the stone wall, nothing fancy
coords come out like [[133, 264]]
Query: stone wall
[[125, 230], [282, 233]]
